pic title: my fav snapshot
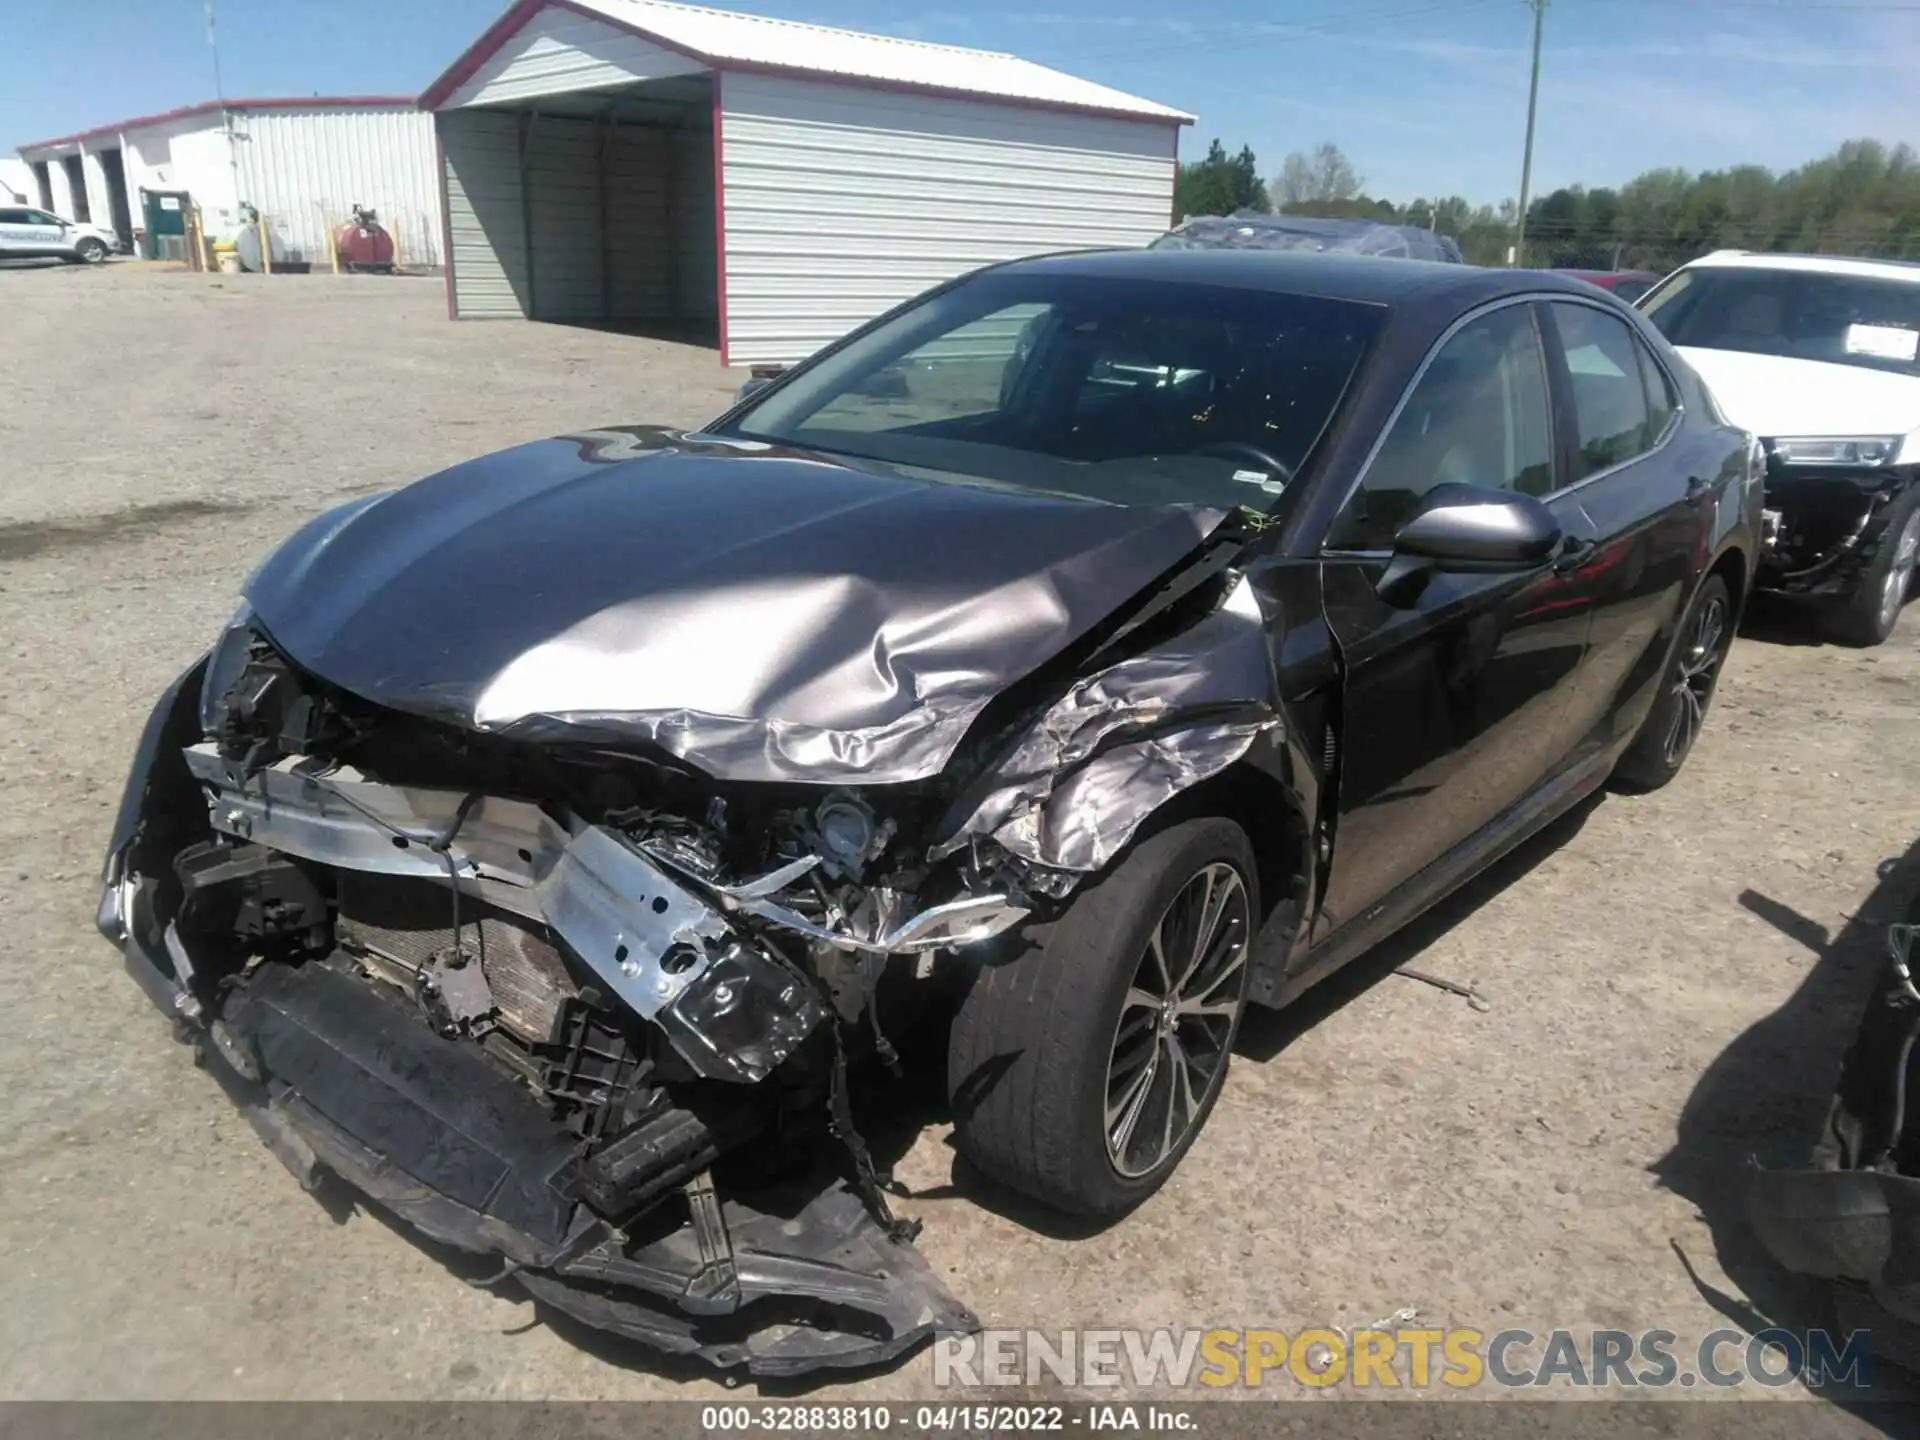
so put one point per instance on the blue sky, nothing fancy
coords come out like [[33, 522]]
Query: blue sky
[[1426, 97]]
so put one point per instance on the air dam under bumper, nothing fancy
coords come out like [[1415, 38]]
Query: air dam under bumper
[[338, 1078]]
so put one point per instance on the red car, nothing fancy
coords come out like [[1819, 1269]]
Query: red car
[[1629, 285]]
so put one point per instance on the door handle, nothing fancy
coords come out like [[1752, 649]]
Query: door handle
[[1575, 551]]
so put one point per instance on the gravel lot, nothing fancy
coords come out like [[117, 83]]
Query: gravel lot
[[1671, 978]]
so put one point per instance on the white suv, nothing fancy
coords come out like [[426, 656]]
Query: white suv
[[26, 232], [1820, 357]]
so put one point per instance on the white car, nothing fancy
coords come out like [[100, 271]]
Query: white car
[[27, 232], [1820, 357]]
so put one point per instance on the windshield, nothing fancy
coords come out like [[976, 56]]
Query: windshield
[[1845, 319], [1131, 391]]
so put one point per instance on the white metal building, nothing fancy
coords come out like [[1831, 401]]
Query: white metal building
[[16, 182], [299, 162], [650, 163]]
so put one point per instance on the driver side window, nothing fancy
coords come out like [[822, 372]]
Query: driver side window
[[1477, 416]]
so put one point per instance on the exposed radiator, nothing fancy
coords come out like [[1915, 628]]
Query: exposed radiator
[[407, 921]]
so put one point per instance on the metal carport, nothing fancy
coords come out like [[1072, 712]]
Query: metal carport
[[762, 184]]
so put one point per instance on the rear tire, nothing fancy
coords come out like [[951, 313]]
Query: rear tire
[[1047, 1055], [1668, 733], [1867, 617]]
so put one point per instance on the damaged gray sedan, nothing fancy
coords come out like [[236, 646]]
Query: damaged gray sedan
[[1051, 670]]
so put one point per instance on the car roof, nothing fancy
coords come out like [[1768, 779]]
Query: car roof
[[1906, 271], [1369, 279]]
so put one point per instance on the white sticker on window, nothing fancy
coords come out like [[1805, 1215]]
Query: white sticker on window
[[1272, 484], [169, 202], [1883, 342]]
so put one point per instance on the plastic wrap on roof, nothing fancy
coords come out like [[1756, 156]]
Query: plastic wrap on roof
[[1308, 232]]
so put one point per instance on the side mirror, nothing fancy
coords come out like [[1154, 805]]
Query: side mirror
[[1467, 529]]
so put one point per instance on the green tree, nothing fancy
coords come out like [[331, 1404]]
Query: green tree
[[1862, 199], [1219, 184]]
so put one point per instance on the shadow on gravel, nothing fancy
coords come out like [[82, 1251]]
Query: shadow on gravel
[[1766, 1096], [1265, 1033], [24, 539], [1777, 620], [704, 335]]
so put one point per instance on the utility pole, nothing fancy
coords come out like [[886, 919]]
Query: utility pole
[[1539, 8], [220, 94]]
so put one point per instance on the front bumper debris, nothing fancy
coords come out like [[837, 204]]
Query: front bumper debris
[[698, 1212], [656, 934], [338, 1079], [1823, 526]]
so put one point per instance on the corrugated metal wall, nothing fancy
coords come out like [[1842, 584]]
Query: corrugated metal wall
[[841, 202], [306, 169], [485, 212], [563, 208], [650, 258], [642, 262], [698, 256], [659, 198]]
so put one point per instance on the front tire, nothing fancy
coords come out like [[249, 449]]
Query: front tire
[[90, 251], [1668, 733], [1867, 617], [1082, 1071]]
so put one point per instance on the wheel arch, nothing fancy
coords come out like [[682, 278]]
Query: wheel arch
[[1277, 827], [1733, 566]]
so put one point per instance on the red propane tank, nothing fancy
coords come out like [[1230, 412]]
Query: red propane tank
[[364, 244]]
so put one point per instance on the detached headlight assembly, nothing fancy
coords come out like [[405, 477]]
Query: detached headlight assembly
[[1862, 450], [225, 664]]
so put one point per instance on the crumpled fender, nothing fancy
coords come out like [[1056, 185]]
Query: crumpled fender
[[1088, 772]]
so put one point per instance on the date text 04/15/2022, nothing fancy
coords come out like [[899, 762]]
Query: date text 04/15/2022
[[942, 1419]]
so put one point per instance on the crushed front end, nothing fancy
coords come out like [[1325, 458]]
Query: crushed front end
[[580, 1009], [1827, 507]]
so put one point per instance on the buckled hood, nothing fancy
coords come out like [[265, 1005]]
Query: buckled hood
[[766, 614]]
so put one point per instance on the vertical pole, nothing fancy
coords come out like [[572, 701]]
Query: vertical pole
[[604, 201], [266, 244], [528, 119], [1526, 163]]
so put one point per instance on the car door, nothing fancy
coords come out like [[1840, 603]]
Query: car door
[[1454, 703], [19, 234], [1644, 493]]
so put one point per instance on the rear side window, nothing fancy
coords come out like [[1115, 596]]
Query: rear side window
[[1612, 419], [1661, 401]]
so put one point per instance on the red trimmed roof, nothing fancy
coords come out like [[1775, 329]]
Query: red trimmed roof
[[724, 41], [214, 107]]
